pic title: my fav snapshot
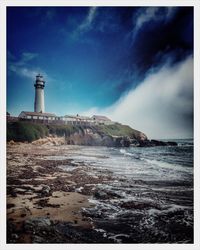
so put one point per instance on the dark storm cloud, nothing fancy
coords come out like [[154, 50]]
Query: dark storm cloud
[[156, 35], [145, 35]]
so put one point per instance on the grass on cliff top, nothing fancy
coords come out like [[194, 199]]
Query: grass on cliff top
[[22, 131], [25, 131], [119, 130]]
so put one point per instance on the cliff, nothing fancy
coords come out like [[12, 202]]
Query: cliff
[[116, 135]]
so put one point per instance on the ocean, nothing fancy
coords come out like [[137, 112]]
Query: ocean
[[150, 199]]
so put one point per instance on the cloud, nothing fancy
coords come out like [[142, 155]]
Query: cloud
[[152, 14], [25, 58], [87, 22], [161, 106], [155, 14], [23, 71], [22, 66], [147, 15]]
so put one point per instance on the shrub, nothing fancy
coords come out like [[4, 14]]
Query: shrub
[[62, 130], [25, 131]]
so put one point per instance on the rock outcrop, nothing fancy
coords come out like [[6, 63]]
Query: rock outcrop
[[50, 140], [98, 140], [155, 143]]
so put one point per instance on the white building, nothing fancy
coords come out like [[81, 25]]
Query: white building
[[38, 116], [100, 119], [77, 120]]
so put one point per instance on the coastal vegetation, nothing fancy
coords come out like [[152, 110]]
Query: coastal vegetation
[[22, 131], [118, 129]]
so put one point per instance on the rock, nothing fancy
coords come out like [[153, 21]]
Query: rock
[[37, 224], [11, 142], [76, 234], [38, 239], [145, 143], [15, 236], [158, 143], [138, 205], [121, 141], [100, 195], [172, 143], [55, 140], [45, 190], [155, 143], [141, 137], [125, 142], [13, 193], [10, 205], [107, 141]]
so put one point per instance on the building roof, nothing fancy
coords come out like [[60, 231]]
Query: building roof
[[70, 116], [37, 113], [78, 117], [100, 118], [84, 117]]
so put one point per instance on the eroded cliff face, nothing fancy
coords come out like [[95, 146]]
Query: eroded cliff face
[[91, 137], [95, 137]]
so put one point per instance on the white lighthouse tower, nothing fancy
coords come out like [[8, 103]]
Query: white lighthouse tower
[[39, 94]]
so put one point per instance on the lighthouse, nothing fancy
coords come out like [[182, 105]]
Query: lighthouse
[[39, 94]]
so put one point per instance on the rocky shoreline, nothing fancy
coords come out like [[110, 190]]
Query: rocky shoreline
[[58, 193], [45, 203]]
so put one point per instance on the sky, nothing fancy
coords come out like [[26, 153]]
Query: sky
[[132, 64]]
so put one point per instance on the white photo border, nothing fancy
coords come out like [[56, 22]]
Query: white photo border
[[3, 6]]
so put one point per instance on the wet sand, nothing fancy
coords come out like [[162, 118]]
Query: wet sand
[[43, 199]]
